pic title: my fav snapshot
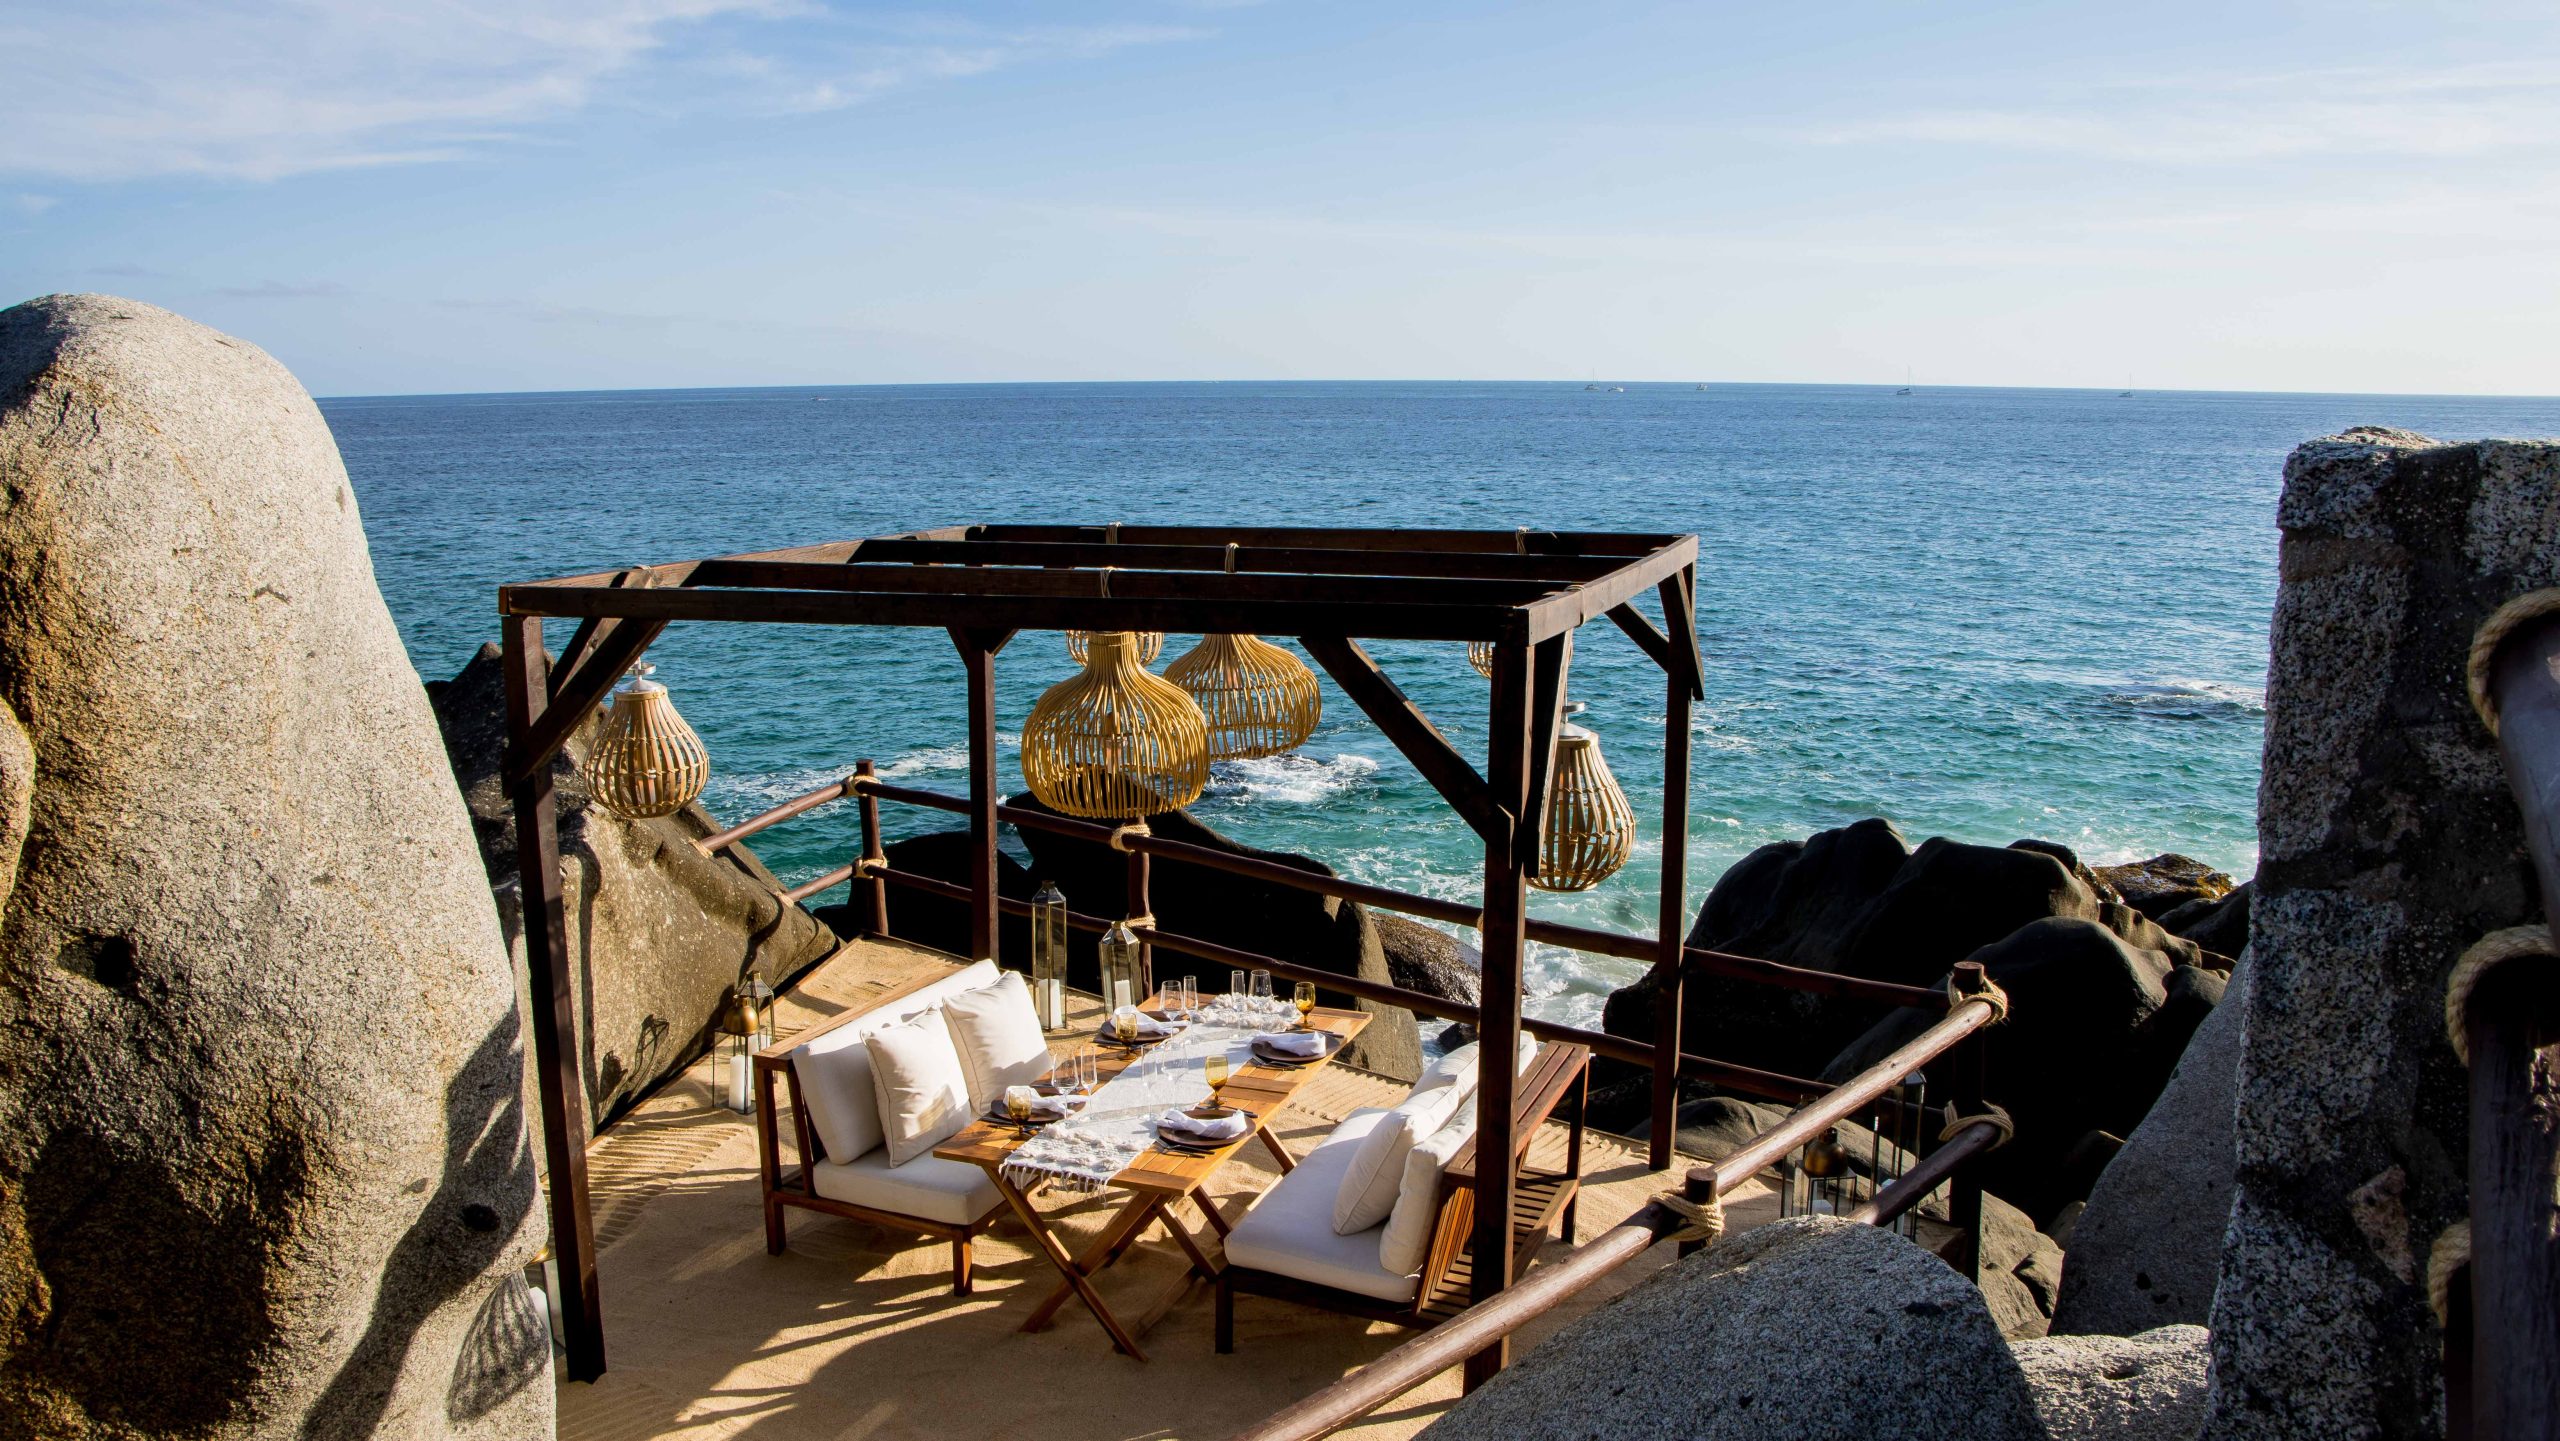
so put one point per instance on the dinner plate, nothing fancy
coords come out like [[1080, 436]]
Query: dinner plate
[[1270, 1057]]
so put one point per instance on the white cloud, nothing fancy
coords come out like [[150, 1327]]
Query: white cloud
[[2442, 113], [118, 89]]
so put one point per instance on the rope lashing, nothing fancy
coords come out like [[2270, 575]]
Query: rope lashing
[[1105, 575], [1520, 541], [1111, 533], [2450, 1253], [869, 866], [1700, 1223], [1231, 557], [1991, 992], [1142, 921], [1989, 1115], [2513, 943], [2531, 606], [1121, 835]]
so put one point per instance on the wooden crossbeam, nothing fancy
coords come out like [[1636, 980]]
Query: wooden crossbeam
[[1245, 559], [1518, 542], [1384, 702], [1549, 661], [1126, 583], [1020, 612], [1645, 634], [1680, 610], [576, 694]]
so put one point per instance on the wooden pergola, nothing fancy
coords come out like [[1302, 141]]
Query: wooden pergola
[[1524, 592]]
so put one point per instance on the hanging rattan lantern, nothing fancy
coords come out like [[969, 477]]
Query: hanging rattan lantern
[[1258, 699], [1150, 645], [1113, 741], [646, 761], [1590, 827], [1480, 655]]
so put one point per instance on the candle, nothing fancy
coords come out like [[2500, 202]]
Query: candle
[[1119, 994], [738, 1068], [1053, 1005]]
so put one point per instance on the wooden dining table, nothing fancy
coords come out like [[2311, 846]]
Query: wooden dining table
[[1158, 1181]]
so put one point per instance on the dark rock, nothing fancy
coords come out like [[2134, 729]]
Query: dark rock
[[659, 932], [1809, 1328], [1427, 959], [2219, 927], [2146, 1250], [1248, 915], [264, 1159], [2071, 862], [945, 924], [2021, 1266], [2389, 841], [2081, 1050], [2165, 882]]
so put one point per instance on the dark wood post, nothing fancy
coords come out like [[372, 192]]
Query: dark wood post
[[877, 921], [1964, 1201], [1505, 936], [979, 660], [1141, 905], [1673, 922], [2513, 1024], [552, 987]]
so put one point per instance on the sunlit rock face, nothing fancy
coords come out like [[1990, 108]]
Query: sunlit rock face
[[264, 1169]]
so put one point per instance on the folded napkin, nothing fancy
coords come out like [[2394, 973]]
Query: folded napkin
[[1147, 1025], [1223, 1128], [1293, 1043], [1044, 1108]]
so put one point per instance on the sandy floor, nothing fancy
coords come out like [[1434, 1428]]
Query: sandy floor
[[853, 1332]]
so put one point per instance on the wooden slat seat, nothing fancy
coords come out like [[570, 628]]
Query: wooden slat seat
[[1542, 1201]]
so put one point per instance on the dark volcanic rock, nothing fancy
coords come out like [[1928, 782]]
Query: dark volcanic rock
[[1427, 959], [2165, 882], [659, 931], [1248, 915]]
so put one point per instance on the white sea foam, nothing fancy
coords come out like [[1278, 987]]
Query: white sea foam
[[928, 761], [1296, 778], [2181, 698]]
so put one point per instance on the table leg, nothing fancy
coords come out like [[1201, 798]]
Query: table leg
[[1279, 1152], [1076, 1282], [1115, 1239], [1209, 1208]]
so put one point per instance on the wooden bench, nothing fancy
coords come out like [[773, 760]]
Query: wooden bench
[[1540, 1198]]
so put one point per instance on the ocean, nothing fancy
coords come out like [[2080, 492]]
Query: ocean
[[1983, 613]]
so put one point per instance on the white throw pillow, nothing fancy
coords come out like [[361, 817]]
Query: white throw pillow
[[998, 1036], [1406, 1242], [836, 1087], [1460, 1065], [1370, 1183], [922, 1090]]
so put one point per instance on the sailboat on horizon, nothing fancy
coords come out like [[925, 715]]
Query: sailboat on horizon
[[1906, 381]]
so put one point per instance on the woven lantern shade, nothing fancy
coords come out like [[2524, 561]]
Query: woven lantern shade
[[1258, 699], [1590, 827], [1150, 645], [1114, 742], [1480, 655], [646, 760]]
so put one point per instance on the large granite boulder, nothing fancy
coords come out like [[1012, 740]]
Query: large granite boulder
[[2149, 1387], [1856, 901], [1248, 915], [264, 1165], [659, 931], [1428, 959], [2388, 842], [2088, 1045], [2146, 1250], [1809, 1328]]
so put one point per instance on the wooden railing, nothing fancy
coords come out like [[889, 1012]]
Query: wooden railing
[[2509, 1380]]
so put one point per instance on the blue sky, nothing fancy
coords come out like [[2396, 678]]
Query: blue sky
[[450, 195]]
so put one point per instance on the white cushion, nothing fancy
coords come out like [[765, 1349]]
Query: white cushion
[[1376, 1171], [998, 1037], [1460, 1064], [834, 1069], [922, 1090], [929, 1187], [1289, 1231], [1406, 1241]]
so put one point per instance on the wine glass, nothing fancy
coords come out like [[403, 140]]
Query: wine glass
[[1235, 988], [1017, 1104], [1262, 990], [1214, 1067], [1189, 998], [1305, 999]]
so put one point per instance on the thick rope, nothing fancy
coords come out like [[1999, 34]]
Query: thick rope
[[1998, 998], [1106, 581], [2530, 606], [1121, 835], [1142, 921], [2513, 943], [1989, 1115], [2450, 1253], [1701, 1224], [1231, 557]]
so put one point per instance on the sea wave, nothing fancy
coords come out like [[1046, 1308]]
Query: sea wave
[[928, 761], [1296, 778], [2176, 698]]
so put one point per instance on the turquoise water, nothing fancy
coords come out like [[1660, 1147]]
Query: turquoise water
[[1983, 613]]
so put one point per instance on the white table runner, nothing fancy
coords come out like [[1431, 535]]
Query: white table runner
[[1119, 1123]]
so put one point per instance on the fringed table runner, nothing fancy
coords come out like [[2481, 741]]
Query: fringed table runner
[[1119, 1123]]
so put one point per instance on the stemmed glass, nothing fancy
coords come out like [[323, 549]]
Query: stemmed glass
[[1187, 997], [1262, 990], [1235, 988], [1305, 999]]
